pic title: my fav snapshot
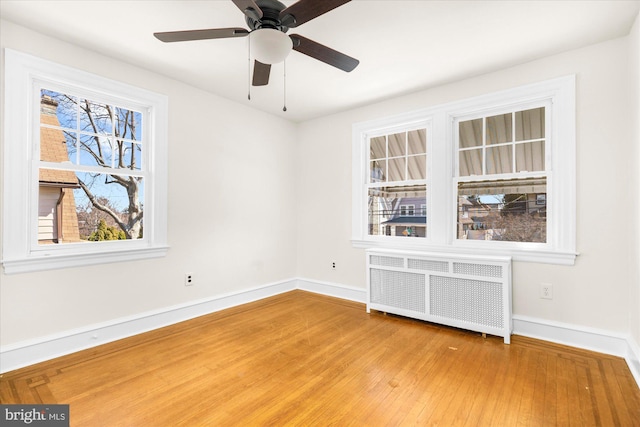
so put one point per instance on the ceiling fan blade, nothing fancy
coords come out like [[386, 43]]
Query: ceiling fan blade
[[323, 53], [261, 73], [306, 10], [188, 35], [249, 8]]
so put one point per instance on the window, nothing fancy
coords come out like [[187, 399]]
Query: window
[[502, 173], [91, 187], [397, 182], [497, 175]]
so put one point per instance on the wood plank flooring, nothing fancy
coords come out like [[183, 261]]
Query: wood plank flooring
[[305, 359]]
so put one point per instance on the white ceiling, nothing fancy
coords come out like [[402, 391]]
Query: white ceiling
[[403, 46]]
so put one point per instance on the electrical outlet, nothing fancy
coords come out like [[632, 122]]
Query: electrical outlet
[[333, 265], [546, 290], [188, 279]]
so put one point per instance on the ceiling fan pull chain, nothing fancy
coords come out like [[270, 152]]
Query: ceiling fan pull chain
[[284, 108], [249, 71]]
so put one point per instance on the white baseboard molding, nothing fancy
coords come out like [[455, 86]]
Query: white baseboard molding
[[633, 359], [19, 355], [575, 336], [333, 290], [601, 341], [23, 354]]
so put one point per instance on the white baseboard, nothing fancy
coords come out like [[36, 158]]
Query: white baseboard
[[19, 355], [601, 341], [575, 336], [633, 359], [23, 354], [333, 289]]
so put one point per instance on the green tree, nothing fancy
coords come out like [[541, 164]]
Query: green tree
[[105, 232]]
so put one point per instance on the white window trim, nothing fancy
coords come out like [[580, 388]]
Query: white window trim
[[22, 72], [441, 194]]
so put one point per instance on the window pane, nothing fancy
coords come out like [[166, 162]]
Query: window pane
[[417, 141], [58, 109], [512, 211], [499, 129], [96, 151], [397, 144], [66, 214], [471, 162], [55, 145], [377, 170], [128, 124], [95, 117], [500, 159], [378, 148], [397, 169], [470, 133], [530, 124], [417, 167], [392, 211], [530, 156], [128, 155]]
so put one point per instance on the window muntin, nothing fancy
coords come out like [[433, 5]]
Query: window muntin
[[98, 171], [489, 146], [397, 183], [501, 174]]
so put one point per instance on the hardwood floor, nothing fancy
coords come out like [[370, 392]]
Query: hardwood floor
[[305, 359]]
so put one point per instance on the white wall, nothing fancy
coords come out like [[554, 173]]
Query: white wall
[[592, 293], [250, 205], [231, 210], [634, 189]]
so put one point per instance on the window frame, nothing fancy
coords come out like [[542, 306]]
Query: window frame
[[24, 76], [560, 155], [546, 173], [407, 125]]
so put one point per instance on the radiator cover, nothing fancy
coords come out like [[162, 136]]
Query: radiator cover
[[465, 291]]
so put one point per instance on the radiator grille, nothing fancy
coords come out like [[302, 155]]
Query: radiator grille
[[473, 301], [398, 289], [471, 269], [428, 265], [386, 261]]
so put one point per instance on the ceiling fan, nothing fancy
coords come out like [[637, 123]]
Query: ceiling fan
[[269, 20]]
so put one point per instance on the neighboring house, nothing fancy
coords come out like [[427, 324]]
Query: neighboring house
[[57, 216], [474, 216], [408, 218]]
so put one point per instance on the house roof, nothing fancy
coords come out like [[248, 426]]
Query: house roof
[[407, 220], [53, 147]]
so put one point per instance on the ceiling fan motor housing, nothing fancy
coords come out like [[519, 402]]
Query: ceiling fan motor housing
[[270, 16]]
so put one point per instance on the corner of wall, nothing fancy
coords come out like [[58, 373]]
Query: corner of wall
[[634, 158]]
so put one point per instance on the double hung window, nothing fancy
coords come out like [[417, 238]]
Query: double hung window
[[502, 176], [494, 174], [397, 183], [85, 164]]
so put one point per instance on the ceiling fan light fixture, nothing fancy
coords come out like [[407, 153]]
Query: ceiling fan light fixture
[[269, 45]]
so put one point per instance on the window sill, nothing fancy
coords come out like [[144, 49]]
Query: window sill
[[58, 261], [524, 255]]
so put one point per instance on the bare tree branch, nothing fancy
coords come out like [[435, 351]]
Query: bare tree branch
[[94, 201]]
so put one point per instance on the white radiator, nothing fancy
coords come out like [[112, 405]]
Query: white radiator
[[465, 291]]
